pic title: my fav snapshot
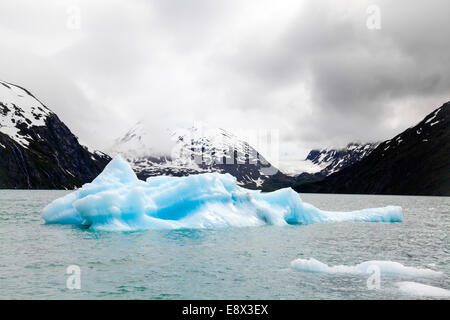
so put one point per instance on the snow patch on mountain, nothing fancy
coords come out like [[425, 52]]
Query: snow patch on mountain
[[19, 108], [328, 161], [198, 149]]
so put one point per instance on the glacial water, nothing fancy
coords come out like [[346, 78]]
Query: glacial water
[[226, 263]]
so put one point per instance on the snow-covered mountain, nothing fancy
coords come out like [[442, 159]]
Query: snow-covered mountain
[[37, 149], [197, 149], [415, 162], [323, 162], [20, 110], [334, 160]]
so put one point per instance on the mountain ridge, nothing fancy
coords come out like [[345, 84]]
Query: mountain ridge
[[335, 159], [414, 162], [37, 150]]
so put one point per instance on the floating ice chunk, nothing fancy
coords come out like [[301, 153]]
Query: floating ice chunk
[[118, 200], [422, 290], [385, 267]]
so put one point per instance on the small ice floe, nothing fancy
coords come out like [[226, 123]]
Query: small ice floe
[[422, 290], [385, 267]]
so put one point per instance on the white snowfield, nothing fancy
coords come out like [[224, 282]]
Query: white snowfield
[[385, 267], [19, 107], [118, 200]]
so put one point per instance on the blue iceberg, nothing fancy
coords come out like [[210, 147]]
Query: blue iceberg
[[118, 200]]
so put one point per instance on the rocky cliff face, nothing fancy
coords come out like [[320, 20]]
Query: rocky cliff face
[[37, 150]]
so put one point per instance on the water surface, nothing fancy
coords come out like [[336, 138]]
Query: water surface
[[230, 263]]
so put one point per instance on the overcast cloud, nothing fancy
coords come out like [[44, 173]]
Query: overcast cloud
[[311, 69]]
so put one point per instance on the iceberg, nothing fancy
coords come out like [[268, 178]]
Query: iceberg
[[117, 200]]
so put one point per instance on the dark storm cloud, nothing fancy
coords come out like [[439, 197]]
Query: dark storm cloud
[[357, 77], [311, 69]]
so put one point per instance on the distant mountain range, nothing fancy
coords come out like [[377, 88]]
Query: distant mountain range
[[198, 149], [417, 161], [334, 160], [318, 164], [37, 150]]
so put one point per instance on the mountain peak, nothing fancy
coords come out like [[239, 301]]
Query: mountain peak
[[38, 150], [20, 110], [116, 171], [196, 149]]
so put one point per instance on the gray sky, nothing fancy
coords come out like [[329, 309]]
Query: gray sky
[[311, 69]]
